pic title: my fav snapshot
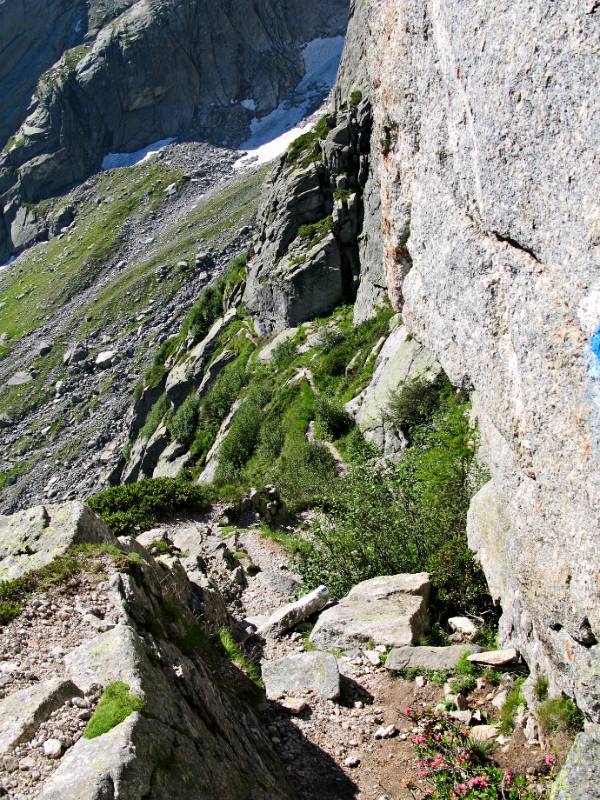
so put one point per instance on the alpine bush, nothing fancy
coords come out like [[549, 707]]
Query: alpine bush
[[182, 424], [137, 507]]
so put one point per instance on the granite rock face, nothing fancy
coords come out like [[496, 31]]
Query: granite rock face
[[311, 243], [485, 122], [142, 77]]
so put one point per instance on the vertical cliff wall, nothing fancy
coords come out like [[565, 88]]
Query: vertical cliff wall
[[487, 126]]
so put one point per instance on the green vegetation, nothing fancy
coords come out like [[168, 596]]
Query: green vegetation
[[540, 688], [231, 650], [416, 402], [316, 232], [514, 702], [559, 714], [136, 507], [449, 765], [407, 518], [153, 420], [182, 424], [332, 420], [116, 704], [356, 98], [305, 149]]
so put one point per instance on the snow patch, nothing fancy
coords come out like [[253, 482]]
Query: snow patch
[[249, 104], [272, 135], [118, 160]]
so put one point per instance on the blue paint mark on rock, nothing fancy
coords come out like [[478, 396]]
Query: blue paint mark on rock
[[595, 343]]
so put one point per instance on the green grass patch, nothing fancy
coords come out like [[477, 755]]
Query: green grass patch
[[231, 650], [317, 231], [514, 702], [116, 704], [540, 688], [559, 714]]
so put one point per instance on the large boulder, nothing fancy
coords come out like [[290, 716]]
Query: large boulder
[[33, 538], [389, 610], [315, 672]]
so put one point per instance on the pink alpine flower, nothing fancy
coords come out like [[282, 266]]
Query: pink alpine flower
[[478, 782], [550, 760], [461, 788], [419, 739]]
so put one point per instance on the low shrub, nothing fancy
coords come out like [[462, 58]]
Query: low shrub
[[284, 354], [137, 507], [356, 98], [240, 443], [116, 704], [540, 688], [450, 765], [331, 418], [304, 473], [559, 714], [414, 404], [182, 424], [408, 517]]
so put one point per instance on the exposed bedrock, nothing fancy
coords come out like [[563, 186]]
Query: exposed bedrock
[[487, 125]]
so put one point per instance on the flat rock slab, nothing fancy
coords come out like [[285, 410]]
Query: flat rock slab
[[22, 712], [20, 379], [495, 658], [389, 610], [33, 538], [433, 658], [317, 672]]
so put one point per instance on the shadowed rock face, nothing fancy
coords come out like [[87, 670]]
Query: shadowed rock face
[[146, 75]]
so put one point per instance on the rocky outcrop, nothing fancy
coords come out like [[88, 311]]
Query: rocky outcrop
[[188, 722], [35, 537], [145, 76], [310, 243], [401, 360], [485, 130]]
